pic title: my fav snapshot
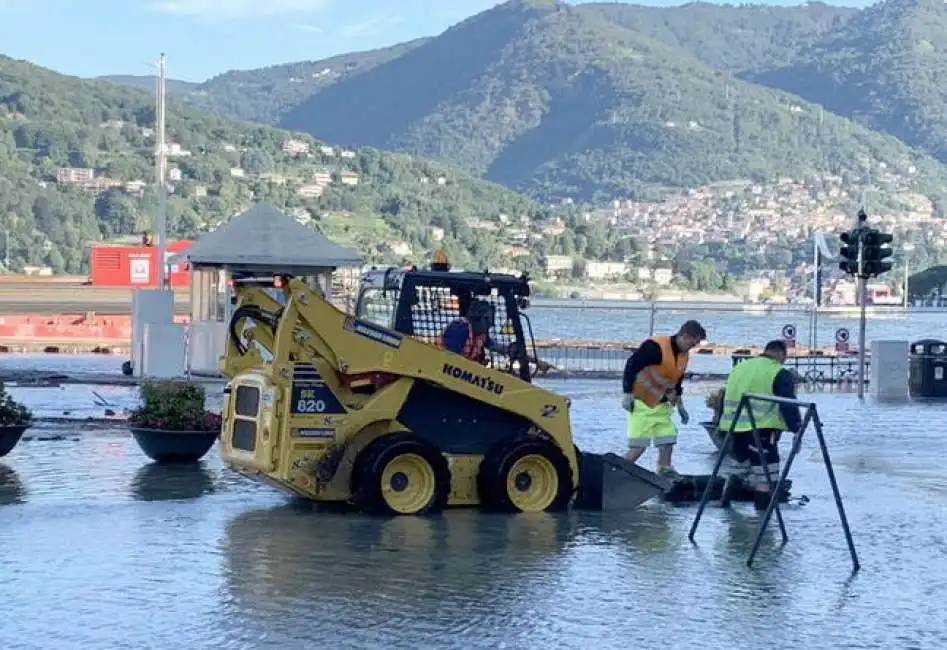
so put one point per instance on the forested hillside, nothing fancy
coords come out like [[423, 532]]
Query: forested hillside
[[610, 100], [885, 68], [727, 132], [76, 166], [559, 101]]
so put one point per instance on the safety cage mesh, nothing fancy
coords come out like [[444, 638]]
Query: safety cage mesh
[[433, 309]]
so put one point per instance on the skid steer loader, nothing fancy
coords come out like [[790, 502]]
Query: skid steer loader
[[369, 409]]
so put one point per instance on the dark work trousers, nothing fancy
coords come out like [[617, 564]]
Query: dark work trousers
[[745, 451]]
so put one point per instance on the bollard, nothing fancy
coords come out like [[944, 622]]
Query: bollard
[[889, 378]]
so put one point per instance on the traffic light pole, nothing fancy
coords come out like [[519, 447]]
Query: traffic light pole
[[862, 300]]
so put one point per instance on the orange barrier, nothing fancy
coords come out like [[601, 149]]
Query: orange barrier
[[70, 326]]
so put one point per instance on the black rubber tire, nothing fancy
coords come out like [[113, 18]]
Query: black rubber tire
[[491, 478], [370, 465]]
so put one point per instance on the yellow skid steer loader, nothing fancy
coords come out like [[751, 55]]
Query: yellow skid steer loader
[[370, 409]]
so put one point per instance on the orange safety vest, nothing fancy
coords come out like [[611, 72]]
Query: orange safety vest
[[654, 382], [473, 348]]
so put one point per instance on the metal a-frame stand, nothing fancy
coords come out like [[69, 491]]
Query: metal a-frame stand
[[811, 417]]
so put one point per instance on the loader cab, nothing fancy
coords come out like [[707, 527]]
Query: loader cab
[[421, 303]]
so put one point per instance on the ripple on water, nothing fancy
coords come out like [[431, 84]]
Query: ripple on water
[[137, 555]]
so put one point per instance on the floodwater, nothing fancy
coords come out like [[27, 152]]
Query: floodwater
[[101, 549]]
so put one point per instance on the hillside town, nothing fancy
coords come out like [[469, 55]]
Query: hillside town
[[787, 211]]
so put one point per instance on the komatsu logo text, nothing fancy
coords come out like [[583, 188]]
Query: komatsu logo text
[[476, 380]]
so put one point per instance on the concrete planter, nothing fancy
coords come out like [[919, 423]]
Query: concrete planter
[[164, 446], [9, 436]]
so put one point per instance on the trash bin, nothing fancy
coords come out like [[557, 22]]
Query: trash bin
[[928, 374]]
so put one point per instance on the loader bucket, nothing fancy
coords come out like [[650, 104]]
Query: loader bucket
[[609, 482]]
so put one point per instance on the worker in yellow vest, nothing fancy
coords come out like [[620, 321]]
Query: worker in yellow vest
[[652, 387], [762, 375]]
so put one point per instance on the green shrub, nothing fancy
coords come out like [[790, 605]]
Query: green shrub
[[12, 413], [173, 405]]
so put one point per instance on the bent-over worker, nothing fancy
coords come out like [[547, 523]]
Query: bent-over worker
[[762, 375], [470, 335], [652, 385]]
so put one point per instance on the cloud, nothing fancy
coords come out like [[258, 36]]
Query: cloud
[[236, 8], [310, 29], [372, 25]]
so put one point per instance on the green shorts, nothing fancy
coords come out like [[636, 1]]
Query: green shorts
[[651, 425]]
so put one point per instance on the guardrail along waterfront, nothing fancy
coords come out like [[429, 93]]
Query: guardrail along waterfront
[[557, 360]]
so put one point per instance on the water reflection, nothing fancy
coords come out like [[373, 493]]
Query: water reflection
[[644, 531], [11, 487], [165, 482], [458, 571]]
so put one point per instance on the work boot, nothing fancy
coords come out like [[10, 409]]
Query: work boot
[[761, 500], [729, 489]]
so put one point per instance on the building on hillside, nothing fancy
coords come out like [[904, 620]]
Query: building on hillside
[[515, 250], [74, 175], [295, 147], [348, 178], [558, 264], [663, 275], [605, 270], [311, 191]]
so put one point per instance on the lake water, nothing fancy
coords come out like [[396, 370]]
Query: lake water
[[101, 549], [725, 324]]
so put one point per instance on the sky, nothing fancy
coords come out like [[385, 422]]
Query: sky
[[203, 38]]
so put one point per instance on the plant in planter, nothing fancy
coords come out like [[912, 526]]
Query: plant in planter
[[14, 420], [171, 423]]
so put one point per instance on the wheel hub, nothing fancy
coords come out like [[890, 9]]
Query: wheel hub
[[532, 483], [399, 482]]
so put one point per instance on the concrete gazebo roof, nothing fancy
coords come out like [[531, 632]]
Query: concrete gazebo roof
[[266, 239]]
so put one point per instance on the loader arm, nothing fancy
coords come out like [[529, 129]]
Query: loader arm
[[256, 306]]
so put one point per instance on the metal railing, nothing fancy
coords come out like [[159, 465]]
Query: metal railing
[[811, 417], [819, 369], [590, 362]]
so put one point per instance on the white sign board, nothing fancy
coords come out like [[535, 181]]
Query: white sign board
[[139, 270]]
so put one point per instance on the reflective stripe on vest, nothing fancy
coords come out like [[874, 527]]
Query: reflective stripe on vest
[[654, 382], [752, 376]]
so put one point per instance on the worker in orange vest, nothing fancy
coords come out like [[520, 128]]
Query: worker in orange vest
[[470, 335], [652, 387]]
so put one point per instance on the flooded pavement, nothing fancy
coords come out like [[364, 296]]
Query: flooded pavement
[[101, 549]]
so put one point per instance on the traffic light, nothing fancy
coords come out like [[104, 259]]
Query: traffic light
[[849, 251], [876, 250]]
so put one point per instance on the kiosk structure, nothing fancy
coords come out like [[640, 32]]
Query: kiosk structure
[[262, 241]]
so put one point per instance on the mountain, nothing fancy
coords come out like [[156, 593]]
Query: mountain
[[174, 86], [738, 39], [726, 37], [886, 68], [265, 94], [76, 165], [562, 101]]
